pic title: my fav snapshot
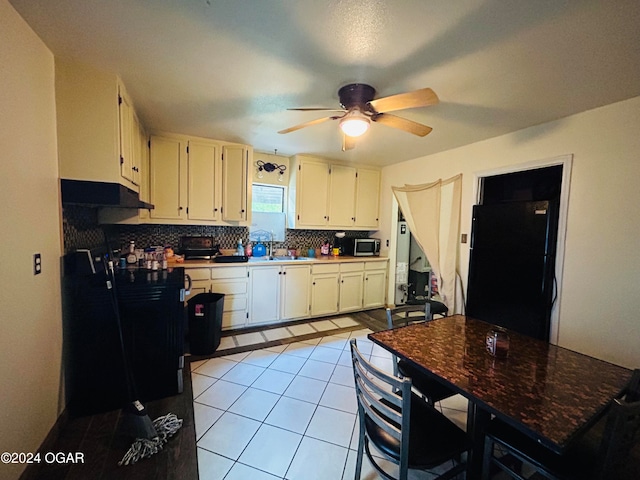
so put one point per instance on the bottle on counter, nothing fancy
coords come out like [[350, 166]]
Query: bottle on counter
[[248, 249], [324, 249], [240, 248], [132, 258]]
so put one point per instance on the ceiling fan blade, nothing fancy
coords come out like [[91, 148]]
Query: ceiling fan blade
[[402, 123], [418, 98], [348, 143], [317, 109], [306, 124]]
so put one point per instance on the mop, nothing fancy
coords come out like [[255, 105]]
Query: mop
[[149, 436]]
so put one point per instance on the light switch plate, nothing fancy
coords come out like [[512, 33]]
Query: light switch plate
[[37, 264]]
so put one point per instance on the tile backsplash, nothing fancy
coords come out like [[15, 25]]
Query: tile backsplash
[[81, 230]]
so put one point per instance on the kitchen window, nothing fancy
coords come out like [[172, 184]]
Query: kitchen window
[[267, 213], [267, 198]]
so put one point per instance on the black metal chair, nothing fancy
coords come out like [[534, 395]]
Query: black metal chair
[[432, 390], [596, 455], [403, 428]]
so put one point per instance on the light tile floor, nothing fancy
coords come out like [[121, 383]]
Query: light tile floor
[[286, 412]]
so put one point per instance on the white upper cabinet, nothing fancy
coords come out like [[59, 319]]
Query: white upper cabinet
[[168, 180], [332, 196], [367, 203], [342, 196], [95, 122], [203, 173], [236, 198], [197, 181], [312, 193]]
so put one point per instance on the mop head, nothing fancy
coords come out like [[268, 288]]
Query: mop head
[[165, 427]]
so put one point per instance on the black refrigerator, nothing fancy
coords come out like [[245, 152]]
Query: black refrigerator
[[512, 265]]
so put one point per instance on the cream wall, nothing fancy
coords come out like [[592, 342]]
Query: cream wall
[[600, 304], [31, 338]]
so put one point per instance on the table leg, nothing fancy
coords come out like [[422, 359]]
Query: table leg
[[477, 421]]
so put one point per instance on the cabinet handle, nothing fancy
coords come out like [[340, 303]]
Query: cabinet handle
[[179, 208], [353, 218], [242, 211]]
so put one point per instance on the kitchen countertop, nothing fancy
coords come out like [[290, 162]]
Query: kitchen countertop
[[256, 261]]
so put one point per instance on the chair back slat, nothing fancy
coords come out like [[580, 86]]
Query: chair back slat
[[388, 410], [620, 435]]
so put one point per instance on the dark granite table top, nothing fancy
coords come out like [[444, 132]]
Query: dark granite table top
[[549, 392]]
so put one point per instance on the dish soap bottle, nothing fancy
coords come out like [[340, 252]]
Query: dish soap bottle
[[240, 249]]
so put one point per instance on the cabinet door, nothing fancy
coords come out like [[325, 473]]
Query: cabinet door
[[313, 193], [342, 196], [324, 294], [374, 288], [294, 291], [235, 161], [351, 291], [367, 198], [264, 306], [202, 174], [126, 137], [167, 178], [137, 138]]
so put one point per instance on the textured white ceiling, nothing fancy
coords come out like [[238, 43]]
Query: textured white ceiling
[[229, 69]]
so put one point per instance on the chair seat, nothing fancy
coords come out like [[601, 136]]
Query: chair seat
[[437, 308], [579, 462], [425, 449], [431, 388]]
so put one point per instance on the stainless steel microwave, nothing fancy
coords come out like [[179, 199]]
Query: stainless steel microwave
[[362, 247]]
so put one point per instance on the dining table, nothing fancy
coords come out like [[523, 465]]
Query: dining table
[[550, 393]]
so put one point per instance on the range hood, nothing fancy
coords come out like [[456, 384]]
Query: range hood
[[100, 194]]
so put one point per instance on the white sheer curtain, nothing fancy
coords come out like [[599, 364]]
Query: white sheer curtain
[[432, 211]]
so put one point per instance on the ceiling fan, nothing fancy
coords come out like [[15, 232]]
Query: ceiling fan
[[359, 109]]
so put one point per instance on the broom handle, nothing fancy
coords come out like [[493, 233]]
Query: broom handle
[[111, 286]]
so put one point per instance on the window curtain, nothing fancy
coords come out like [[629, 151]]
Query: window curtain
[[432, 211]]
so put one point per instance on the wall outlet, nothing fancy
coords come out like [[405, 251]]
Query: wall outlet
[[463, 238], [37, 264]]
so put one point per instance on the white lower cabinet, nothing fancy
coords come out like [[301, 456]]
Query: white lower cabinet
[[375, 285], [230, 281], [278, 292], [294, 291], [271, 293], [264, 284], [351, 285], [325, 289]]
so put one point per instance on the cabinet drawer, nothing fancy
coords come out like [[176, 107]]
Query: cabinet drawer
[[229, 288], [199, 273], [375, 266], [332, 268], [235, 302], [228, 272], [233, 320], [352, 267]]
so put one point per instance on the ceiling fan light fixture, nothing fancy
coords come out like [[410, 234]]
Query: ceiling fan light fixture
[[354, 124]]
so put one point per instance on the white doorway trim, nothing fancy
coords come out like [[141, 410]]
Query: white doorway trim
[[566, 161]]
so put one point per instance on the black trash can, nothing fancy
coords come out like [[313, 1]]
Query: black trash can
[[205, 322]]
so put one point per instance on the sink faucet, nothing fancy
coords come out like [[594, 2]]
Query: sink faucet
[[271, 243]]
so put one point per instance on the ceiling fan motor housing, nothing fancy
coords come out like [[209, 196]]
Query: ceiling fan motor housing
[[356, 95]]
